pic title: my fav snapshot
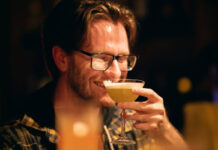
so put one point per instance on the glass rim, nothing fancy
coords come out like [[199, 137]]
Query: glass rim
[[126, 80]]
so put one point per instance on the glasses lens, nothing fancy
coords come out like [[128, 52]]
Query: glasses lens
[[127, 63], [101, 61], [131, 62]]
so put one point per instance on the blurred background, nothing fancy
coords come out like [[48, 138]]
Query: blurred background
[[177, 43]]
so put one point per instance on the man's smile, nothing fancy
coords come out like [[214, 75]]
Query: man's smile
[[99, 84]]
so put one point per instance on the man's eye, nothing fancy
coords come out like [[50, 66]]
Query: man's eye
[[122, 58], [103, 57]]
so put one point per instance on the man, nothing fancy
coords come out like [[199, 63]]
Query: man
[[86, 42]]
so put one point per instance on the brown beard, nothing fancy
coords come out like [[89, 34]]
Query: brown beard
[[75, 79]]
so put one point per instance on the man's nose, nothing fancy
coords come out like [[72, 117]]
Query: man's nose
[[114, 70]]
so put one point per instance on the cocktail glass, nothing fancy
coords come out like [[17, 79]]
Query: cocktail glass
[[120, 90]]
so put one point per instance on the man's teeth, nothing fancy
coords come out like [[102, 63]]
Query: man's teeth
[[100, 84]]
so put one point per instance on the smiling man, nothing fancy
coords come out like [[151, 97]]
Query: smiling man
[[86, 42], [106, 39]]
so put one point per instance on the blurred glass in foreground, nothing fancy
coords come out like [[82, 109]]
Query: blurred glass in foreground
[[79, 129]]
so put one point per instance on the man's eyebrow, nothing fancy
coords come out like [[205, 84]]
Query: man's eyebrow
[[125, 53], [122, 54]]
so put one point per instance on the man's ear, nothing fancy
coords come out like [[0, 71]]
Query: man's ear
[[60, 58]]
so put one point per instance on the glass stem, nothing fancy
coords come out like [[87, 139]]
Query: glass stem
[[123, 124]]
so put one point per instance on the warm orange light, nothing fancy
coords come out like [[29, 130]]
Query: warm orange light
[[184, 85], [78, 131]]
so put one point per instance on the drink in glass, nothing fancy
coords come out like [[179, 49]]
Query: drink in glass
[[120, 90]]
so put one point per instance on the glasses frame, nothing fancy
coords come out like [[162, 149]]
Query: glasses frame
[[113, 58]]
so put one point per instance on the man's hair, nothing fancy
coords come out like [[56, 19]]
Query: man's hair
[[68, 25]]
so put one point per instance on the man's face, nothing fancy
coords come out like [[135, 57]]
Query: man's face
[[104, 37]]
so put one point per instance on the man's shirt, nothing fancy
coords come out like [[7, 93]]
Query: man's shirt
[[35, 130]]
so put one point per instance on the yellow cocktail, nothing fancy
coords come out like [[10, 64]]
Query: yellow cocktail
[[120, 90]]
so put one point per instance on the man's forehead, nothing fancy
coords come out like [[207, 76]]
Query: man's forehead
[[106, 36], [106, 26]]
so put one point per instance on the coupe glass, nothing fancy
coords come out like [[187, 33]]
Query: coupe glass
[[120, 90]]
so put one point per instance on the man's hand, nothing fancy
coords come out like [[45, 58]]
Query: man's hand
[[149, 115]]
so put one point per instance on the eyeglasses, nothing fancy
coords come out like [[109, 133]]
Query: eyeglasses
[[102, 61]]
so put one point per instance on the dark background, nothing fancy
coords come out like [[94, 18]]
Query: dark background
[[176, 39]]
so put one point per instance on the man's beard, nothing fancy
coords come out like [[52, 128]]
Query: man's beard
[[78, 82]]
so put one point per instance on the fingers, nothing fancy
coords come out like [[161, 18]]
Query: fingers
[[146, 126], [130, 105], [144, 117], [154, 103], [149, 93], [143, 107], [149, 114], [145, 121]]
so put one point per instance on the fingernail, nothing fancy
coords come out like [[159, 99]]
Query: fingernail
[[135, 89]]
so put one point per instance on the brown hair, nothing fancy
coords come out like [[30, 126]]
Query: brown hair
[[68, 25]]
